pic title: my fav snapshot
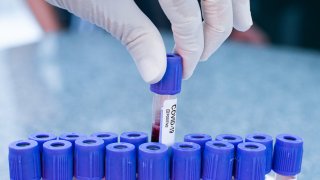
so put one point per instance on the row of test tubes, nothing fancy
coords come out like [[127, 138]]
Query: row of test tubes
[[101, 156]]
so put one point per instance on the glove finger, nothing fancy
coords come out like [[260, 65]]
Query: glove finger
[[185, 18], [242, 19], [217, 24], [125, 21]]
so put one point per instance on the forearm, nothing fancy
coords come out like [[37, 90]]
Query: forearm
[[45, 15]]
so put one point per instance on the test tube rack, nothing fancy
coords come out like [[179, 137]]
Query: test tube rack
[[131, 156]]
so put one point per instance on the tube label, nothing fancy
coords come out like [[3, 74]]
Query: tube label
[[168, 122]]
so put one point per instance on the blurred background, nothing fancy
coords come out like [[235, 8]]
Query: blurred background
[[57, 77], [286, 22]]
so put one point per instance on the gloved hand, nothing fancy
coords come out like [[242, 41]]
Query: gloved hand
[[194, 39]]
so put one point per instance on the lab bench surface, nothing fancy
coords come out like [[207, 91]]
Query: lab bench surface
[[88, 83]]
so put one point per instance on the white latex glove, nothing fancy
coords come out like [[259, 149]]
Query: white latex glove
[[194, 39]]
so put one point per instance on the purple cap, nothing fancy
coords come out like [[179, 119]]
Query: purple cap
[[121, 161], [134, 137], [198, 138], [71, 137], [41, 138], [218, 160], [107, 137], [24, 160], [57, 160], [230, 138], [233, 139], [153, 161], [287, 157], [186, 161], [268, 142], [171, 81], [89, 158], [251, 161]]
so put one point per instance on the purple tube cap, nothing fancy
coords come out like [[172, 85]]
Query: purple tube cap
[[120, 157], [218, 161], [198, 138], [170, 84], [251, 161], [42, 137], [231, 138], [120, 149], [107, 137], [153, 161], [134, 137], [24, 160], [268, 142], [71, 136], [57, 146], [220, 147], [183, 149], [89, 143], [186, 161], [288, 153], [153, 150], [57, 160], [89, 158]]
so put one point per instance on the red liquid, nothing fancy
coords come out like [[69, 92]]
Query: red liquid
[[155, 133], [156, 127]]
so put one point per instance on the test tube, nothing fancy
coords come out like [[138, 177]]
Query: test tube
[[200, 139], [153, 162], [89, 157], [136, 138], [24, 160], [185, 161], [41, 138], [251, 161], [233, 139], [72, 137], [57, 160], [218, 160], [164, 106], [287, 158], [268, 142], [120, 161]]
